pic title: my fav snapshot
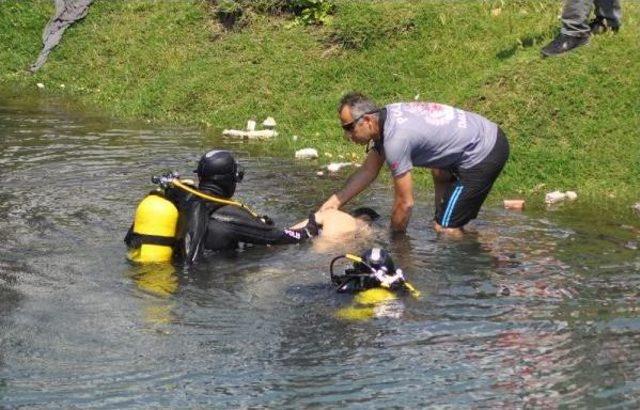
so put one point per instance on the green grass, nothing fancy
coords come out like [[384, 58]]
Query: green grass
[[573, 121]]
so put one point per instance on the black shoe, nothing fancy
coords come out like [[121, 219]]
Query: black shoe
[[601, 26], [563, 43]]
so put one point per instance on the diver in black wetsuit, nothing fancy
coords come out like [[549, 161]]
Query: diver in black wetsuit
[[221, 223], [209, 225]]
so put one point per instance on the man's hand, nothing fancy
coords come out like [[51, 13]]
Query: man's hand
[[313, 226], [332, 203], [403, 202]]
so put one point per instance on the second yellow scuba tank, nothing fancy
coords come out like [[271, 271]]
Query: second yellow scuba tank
[[375, 282], [154, 230]]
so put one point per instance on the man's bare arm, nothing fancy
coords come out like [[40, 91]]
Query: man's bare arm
[[403, 202], [357, 182]]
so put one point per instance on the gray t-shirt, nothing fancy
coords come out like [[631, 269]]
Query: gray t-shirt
[[434, 135]]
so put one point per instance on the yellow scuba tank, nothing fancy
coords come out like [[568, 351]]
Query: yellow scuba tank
[[154, 230], [367, 303], [374, 296], [374, 281]]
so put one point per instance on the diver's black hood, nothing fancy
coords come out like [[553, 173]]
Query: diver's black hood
[[219, 173]]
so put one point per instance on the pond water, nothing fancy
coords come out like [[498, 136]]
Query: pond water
[[536, 310]]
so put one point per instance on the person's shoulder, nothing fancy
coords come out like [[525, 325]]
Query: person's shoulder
[[332, 216], [336, 219], [393, 119], [335, 222], [394, 110], [232, 211]]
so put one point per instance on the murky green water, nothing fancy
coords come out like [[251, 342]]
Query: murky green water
[[536, 311]]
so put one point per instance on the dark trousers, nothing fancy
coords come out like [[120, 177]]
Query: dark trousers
[[575, 15]]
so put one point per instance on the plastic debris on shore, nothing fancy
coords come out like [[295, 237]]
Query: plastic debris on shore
[[558, 196], [257, 134], [269, 123], [513, 204], [251, 132], [307, 153], [636, 208], [337, 166], [571, 195], [40, 86]]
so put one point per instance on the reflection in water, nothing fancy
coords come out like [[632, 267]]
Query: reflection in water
[[157, 279], [526, 313], [386, 308], [161, 281]]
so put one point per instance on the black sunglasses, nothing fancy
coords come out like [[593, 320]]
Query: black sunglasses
[[348, 127]]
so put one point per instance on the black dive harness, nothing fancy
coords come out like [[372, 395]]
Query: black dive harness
[[136, 240]]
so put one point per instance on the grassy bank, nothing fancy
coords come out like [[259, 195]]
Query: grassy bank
[[574, 121]]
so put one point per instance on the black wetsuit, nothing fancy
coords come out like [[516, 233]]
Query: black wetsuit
[[204, 224]]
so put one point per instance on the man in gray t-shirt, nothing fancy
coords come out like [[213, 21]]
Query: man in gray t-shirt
[[465, 151]]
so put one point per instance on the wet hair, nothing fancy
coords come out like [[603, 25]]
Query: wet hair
[[365, 213], [358, 102]]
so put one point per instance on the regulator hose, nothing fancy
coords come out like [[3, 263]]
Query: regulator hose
[[174, 180]]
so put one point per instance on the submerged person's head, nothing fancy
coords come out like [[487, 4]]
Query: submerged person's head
[[365, 214], [219, 173]]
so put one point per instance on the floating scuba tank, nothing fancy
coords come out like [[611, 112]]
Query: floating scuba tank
[[153, 233], [373, 269], [375, 282]]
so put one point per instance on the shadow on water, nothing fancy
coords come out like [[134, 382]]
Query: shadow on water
[[536, 309]]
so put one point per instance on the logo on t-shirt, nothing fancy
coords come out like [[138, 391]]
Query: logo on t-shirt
[[433, 113], [394, 165]]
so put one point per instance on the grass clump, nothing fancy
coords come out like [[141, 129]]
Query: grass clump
[[364, 24], [236, 13], [21, 25]]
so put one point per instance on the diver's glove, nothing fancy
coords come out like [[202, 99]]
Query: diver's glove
[[308, 231], [312, 227]]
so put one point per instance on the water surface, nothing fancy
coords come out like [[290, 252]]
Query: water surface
[[536, 310]]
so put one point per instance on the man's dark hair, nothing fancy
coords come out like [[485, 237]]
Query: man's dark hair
[[365, 213], [358, 102]]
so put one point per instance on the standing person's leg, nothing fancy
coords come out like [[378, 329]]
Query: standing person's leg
[[575, 28], [575, 18], [444, 185], [442, 182], [608, 16], [465, 197]]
